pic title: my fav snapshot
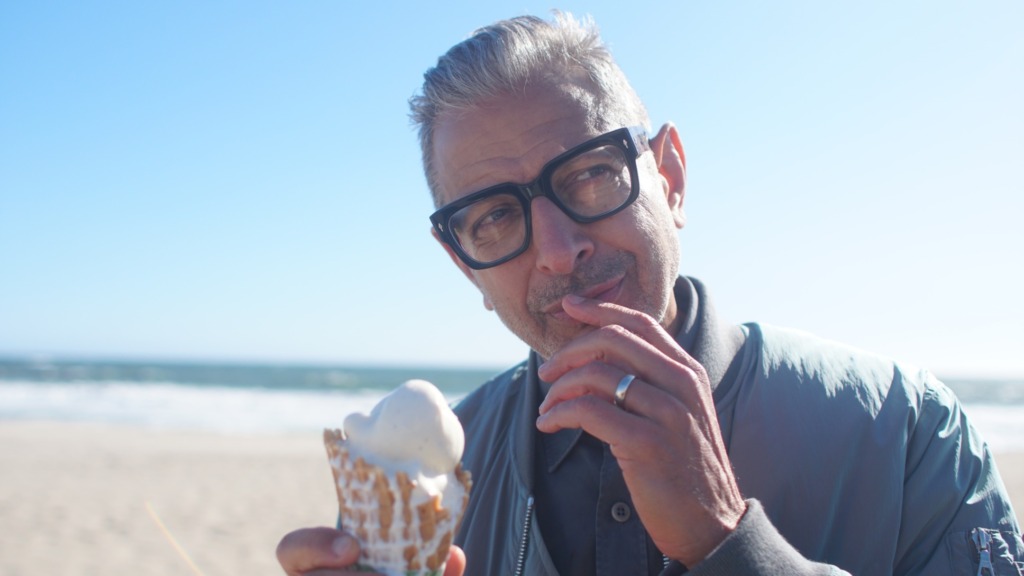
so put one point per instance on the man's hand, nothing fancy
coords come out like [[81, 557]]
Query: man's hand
[[665, 435], [330, 552]]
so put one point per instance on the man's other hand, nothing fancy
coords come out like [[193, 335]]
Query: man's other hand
[[329, 552]]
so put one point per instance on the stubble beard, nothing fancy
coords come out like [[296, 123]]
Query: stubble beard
[[546, 334]]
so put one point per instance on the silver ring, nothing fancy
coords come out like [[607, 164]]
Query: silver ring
[[622, 388]]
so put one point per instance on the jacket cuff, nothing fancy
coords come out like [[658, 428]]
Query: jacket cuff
[[754, 547]]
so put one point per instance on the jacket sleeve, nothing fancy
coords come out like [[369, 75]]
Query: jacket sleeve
[[957, 517], [755, 547]]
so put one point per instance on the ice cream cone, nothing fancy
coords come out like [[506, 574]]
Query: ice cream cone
[[404, 524]]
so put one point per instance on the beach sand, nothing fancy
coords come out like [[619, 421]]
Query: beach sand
[[80, 498], [73, 499]]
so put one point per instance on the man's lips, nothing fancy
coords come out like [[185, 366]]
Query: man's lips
[[607, 291]]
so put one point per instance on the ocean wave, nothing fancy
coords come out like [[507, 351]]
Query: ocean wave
[[227, 409], [174, 406]]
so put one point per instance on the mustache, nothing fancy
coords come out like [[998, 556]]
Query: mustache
[[591, 274]]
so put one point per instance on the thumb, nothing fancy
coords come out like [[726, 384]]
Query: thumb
[[456, 562], [311, 548]]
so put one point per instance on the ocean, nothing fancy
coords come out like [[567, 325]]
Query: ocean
[[267, 399]]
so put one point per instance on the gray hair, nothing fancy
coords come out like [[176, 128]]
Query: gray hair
[[504, 58]]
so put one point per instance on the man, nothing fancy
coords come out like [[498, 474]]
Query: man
[[643, 435]]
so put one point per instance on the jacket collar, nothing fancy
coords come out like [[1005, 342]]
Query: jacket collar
[[521, 438]]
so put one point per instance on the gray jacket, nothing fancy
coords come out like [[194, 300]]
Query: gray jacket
[[851, 464]]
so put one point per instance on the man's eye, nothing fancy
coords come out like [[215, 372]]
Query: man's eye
[[493, 217], [495, 223], [596, 171]]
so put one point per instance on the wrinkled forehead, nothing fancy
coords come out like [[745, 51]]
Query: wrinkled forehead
[[509, 138]]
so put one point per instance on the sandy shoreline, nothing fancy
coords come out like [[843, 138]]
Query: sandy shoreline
[[73, 499], [79, 498]]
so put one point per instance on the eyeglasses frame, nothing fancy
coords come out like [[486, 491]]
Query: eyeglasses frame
[[632, 140]]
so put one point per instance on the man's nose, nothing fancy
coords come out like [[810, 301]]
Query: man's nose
[[559, 243]]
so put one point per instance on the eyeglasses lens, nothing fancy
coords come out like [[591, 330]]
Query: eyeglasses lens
[[593, 183], [586, 186], [490, 228]]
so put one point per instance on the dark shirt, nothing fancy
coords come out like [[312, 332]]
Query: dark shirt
[[575, 470], [577, 477]]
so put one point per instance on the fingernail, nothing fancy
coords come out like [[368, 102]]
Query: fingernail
[[574, 298], [343, 547]]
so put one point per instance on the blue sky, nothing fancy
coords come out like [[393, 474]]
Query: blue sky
[[239, 180]]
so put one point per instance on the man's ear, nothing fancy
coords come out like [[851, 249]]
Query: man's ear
[[466, 270], [671, 160]]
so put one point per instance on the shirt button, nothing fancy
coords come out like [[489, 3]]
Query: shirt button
[[621, 511]]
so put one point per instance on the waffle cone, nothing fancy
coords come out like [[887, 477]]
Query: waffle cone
[[402, 529]]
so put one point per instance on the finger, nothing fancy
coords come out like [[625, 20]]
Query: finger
[[618, 428], [616, 346], [612, 318], [591, 378], [352, 570], [302, 551], [455, 566], [598, 313], [598, 417], [600, 381], [456, 562], [641, 399], [613, 344], [638, 443]]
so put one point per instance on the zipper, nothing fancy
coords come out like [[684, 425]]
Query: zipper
[[524, 541], [983, 544]]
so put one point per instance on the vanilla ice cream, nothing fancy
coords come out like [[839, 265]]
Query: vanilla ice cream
[[401, 487]]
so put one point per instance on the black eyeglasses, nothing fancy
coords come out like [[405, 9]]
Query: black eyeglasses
[[590, 182]]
